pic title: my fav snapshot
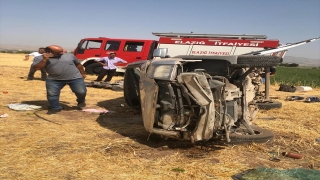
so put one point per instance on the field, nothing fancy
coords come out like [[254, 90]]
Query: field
[[81, 145], [297, 76]]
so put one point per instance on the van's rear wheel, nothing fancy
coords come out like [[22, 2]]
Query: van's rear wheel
[[93, 69]]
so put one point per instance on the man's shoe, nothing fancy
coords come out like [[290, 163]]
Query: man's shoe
[[81, 105], [53, 111]]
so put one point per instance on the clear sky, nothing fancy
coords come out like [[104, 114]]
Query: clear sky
[[65, 22]]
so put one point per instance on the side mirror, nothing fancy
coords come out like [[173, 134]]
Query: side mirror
[[160, 52]]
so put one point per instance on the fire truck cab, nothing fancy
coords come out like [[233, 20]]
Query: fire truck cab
[[131, 50], [91, 49]]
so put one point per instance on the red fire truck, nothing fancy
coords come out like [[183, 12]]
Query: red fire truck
[[90, 49]]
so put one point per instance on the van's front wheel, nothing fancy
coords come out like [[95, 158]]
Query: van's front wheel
[[93, 69]]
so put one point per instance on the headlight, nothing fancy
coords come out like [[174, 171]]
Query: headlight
[[160, 71]]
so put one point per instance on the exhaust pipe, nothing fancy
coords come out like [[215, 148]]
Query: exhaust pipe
[[166, 133]]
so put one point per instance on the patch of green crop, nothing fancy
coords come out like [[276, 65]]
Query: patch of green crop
[[297, 76]]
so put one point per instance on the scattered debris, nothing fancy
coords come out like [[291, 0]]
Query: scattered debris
[[119, 82], [274, 159], [116, 86], [23, 107], [95, 110], [318, 140], [292, 98], [303, 88], [312, 99], [274, 156], [307, 99], [292, 155], [5, 92], [4, 115], [287, 88]]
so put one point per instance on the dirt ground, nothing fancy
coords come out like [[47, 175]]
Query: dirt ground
[[81, 145]]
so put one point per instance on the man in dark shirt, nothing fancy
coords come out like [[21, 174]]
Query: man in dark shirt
[[63, 69]]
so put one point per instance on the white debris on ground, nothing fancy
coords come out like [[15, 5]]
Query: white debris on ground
[[4, 115], [95, 110], [23, 107]]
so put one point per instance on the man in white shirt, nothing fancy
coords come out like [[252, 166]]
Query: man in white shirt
[[109, 66], [32, 69]]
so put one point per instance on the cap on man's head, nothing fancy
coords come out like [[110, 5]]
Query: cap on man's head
[[112, 53]]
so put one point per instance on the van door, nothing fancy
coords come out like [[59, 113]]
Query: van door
[[131, 90], [148, 97], [141, 92], [89, 48]]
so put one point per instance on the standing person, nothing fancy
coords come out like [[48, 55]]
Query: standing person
[[109, 67], [63, 69], [32, 69]]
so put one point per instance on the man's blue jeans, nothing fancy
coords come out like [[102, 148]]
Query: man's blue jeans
[[54, 87]]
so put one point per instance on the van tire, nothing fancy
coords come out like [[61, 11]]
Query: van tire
[[269, 105], [93, 69], [257, 61], [261, 136]]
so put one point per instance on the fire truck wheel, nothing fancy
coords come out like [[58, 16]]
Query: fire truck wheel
[[93, 69], [269, 105], [257, 61], [242, 135]]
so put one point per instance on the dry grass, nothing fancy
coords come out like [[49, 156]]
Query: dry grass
[[78, 145]]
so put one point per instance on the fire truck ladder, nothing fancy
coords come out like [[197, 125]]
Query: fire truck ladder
[[282, 47], [226, 36]]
